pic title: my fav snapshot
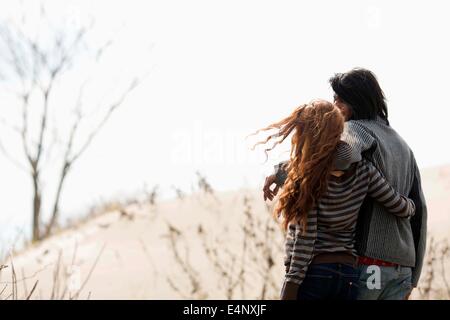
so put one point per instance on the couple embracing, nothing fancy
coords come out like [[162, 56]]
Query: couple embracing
[[351, 199]]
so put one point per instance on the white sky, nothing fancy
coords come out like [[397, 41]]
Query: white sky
[[223, 69]]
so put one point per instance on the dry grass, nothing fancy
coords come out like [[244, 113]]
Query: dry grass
[[434, 283], [240, 272], [193, 290], [62, 287], [179, 193]]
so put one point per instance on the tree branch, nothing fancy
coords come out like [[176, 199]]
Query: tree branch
[[110, 111]]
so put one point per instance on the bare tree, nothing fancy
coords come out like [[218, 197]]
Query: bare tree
[[34, 68]]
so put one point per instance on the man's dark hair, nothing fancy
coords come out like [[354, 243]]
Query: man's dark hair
[[360, 90]]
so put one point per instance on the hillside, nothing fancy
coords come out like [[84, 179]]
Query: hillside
[[202, 246]]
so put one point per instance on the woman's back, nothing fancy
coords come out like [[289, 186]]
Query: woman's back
[[337, 210], [331, 224]]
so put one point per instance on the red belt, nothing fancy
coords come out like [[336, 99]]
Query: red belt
[[370, 261]]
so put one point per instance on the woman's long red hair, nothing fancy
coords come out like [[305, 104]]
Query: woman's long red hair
[[317, 128]]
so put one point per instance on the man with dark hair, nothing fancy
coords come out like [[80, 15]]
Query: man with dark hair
[[391, 249]]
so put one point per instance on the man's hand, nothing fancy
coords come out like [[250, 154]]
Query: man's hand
[[289, 291], [409, 294], [269, 193]]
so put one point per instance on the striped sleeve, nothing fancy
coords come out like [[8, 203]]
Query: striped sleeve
[[289, 245], [380, 190], [300, 254], [347, 153], [355, 140], [302, 249]]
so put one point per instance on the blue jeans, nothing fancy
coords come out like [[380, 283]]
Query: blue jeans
[[384, 283], [329, 281]]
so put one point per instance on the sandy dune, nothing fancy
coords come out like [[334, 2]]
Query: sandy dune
[[133, 250], [436, 186], [130, 253]]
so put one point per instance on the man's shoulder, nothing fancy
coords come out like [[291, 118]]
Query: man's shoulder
[[357, 130], [385, 135], [365, 125], [377, 129]]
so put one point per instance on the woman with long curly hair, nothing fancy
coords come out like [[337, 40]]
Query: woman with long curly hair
[[319, 204]]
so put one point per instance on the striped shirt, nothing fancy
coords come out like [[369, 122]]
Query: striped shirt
[[331, 224]]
